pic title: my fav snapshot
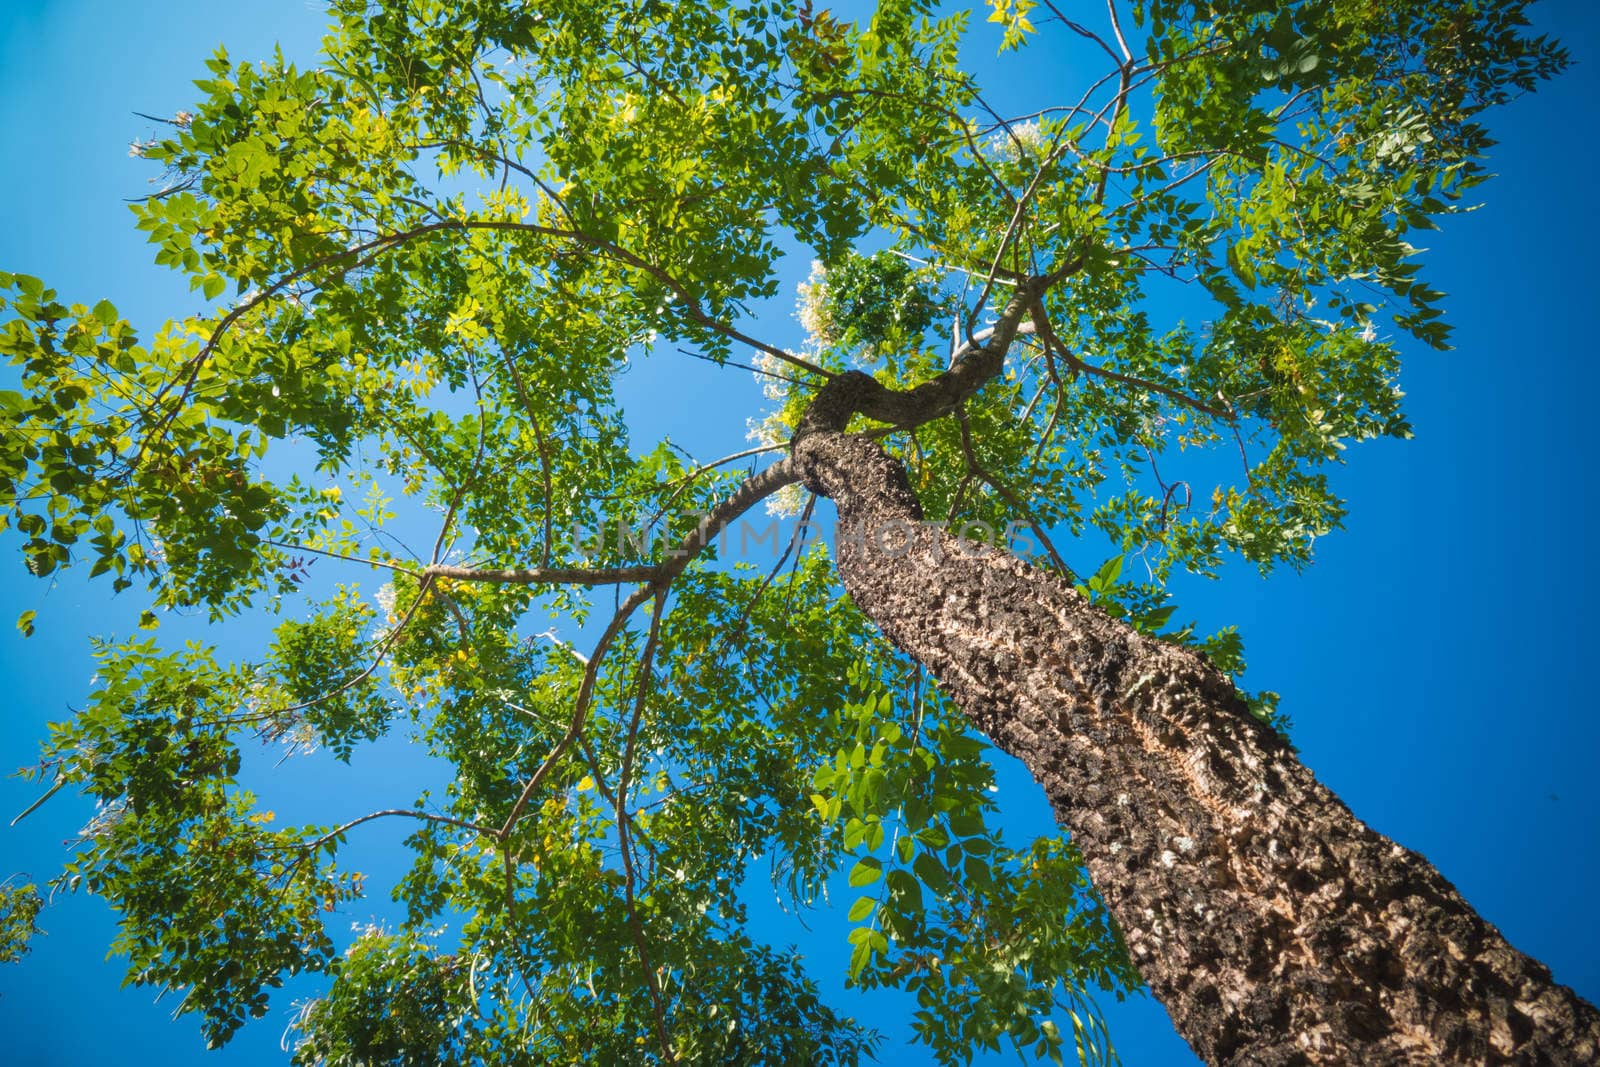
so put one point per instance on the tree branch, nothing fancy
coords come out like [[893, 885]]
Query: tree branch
[[641, 690], [410, 813], [691, 307], [544, 575], [1047, 333], [977, 470], [853, 392]]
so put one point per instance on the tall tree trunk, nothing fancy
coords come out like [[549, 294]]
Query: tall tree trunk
[[1275, 926]]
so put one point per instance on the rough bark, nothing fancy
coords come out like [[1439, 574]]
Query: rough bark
[[1275, 926]]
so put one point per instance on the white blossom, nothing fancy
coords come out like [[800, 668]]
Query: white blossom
[[385, 597], [1021, 143], [769, 371], [786, 502], [811, 310]]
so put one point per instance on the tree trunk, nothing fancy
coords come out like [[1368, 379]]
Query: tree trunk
[[1275, 926]]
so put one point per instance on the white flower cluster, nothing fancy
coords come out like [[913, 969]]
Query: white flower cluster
[[1022, 143], [786, 502], [771, 371], [385, 598], [107, 814], [810, 310], [770, 432], [300, 739]]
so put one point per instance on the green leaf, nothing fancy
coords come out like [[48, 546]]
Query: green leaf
[[866, 871], [928, 868], [1105, 578], [905, 893], [860, 956]]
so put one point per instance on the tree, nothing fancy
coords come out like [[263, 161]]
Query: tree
[[402, 334]]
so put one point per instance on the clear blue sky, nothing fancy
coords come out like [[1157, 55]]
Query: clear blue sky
[[1433, 659]]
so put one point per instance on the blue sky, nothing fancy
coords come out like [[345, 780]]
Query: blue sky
[[1433, 660]]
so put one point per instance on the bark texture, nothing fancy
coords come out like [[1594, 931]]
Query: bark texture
[[1275, 926]]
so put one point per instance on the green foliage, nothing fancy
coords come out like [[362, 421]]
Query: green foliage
[[1013, 16], [992, 939], [314, 666], [20, 905], [425, 261], [210, 899], [395, 1003], [876, 305]]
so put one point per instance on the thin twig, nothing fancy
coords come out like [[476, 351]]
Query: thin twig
[[982, 474], [641, 689], [1116, 28], [544, 575], [410, 813]]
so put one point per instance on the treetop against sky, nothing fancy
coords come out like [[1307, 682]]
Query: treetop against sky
[[475, 280]]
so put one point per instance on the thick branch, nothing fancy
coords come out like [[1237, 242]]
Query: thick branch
[[853, 393]]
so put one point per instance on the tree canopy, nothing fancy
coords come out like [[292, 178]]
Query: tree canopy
[[421, 267]]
